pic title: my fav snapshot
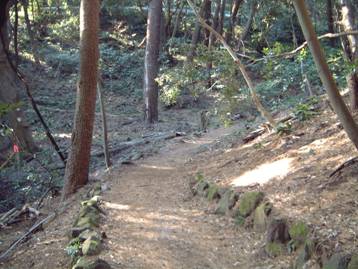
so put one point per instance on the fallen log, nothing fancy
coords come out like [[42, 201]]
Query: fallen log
[[139, 142], [263, 129]]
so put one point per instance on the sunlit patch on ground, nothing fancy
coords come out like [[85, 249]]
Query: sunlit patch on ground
[[116, 206], [264, 173]]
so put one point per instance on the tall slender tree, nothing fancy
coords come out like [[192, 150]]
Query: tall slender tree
[[151, 64], [325, 74], [77, 168]]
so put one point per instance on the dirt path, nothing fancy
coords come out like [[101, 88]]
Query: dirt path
[[154, 222]]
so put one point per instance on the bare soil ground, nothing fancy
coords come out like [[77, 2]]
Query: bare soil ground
[[153, 221]]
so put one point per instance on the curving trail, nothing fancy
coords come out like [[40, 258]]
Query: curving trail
[[154, 222]]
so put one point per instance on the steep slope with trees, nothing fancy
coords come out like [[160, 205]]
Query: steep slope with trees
[[244, 157]]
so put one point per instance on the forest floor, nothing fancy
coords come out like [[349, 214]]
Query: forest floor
[[154, 221]]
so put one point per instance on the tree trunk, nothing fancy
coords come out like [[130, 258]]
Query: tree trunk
[[30, 32], [222, 17], [265, 114], [233, 18], [334, 96], [350, 47], [151, 64], [196, 33], [330, 20], [77, 168], [10, 85], [249, 22], [178, 18]]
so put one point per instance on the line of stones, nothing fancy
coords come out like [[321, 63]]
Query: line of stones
[[253, 210], [86, 241]]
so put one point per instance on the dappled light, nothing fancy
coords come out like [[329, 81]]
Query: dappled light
[[264, 173]]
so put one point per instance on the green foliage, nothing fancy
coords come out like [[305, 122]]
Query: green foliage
[[299, 231], [284, 128], [199, 176], [73, 249], [305, 111], [6, 108]]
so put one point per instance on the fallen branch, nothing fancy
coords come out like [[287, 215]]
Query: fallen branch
[[266, 114], [343, 165], [304, 44], [139, 142], [34, 228], [261, 130]]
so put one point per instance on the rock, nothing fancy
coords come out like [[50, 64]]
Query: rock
[[76, 231], [226, 202], [261, 216], [213, 192], [353, 264], [88, 221], [337, 261], [85, 210], [299, 232], [96, 191], [248, 202], [278, 231], [201, 188], [304, 255], [91, 246], [91, 263], [274, 249], [87, 234]]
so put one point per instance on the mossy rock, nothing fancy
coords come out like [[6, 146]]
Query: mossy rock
[[226, 202], [91, 202], [304, 255], [299, 232], [85, 210], [91, 246], [337, 261], [277, 231], [201, 188], [213, 192], [353, 264], [249, 201], [274, 249], [261, 216], [91, 263], [88, 221], [88, 234], [97, 190], [76, 231]]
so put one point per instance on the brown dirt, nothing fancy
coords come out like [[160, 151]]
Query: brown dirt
[[153, 221]]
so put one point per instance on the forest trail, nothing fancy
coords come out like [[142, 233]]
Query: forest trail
[[154, 221]]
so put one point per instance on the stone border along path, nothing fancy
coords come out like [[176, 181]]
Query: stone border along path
[[86, 241], [253, 211]]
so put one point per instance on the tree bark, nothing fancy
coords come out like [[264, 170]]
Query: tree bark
[[10, 86], [334, 96], [151, 64], [350, 47], [233, 18], [330, 20], [196, 33], [77, 168], [246, 31], [222, 17], [265, 114], [178, 18], [33, 43]]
